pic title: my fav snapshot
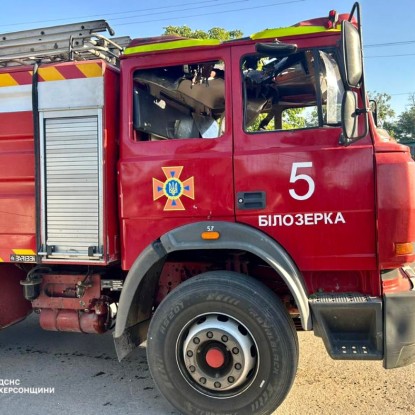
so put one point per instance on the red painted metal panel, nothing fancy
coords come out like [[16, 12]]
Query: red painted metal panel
[[396, 203], [332, 230], [17, 194], [110, 147]]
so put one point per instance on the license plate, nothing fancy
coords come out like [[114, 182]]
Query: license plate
[[22, 258]]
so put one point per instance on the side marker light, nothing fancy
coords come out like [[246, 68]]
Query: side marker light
[[210, 236], [405, 248]]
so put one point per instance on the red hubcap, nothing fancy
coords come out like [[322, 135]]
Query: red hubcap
[[215, 357]]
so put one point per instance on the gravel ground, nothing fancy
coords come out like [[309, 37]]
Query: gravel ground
[[325, 386], [87, 379]]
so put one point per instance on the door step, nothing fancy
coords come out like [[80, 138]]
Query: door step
[[350, 324]]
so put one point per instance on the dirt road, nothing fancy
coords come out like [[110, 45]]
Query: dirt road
[[327, 387], [87, 378]]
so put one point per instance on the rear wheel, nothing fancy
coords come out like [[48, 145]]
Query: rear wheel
[[223, 342]]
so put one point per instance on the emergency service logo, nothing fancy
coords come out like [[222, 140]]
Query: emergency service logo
[[173, 188]]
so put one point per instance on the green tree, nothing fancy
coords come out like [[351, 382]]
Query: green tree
[[293, 118], [404, 128], [213, 33], [223, 34], [384, 108]]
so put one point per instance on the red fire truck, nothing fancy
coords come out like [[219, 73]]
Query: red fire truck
[[208, 197]]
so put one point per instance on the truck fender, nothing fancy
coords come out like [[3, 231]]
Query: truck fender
[[135, 304], [136, 300]]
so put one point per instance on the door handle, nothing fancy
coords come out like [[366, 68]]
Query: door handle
[[251, 200]]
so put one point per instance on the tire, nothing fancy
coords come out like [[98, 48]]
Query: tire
[[222, 343]]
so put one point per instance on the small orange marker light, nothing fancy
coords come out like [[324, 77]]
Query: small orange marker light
[[405, 248], [210, 236]]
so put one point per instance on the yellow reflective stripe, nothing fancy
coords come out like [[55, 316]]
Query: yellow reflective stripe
[[51, 74], [291, 31], [7, 80], [23, 251], [90, 70], [1, 260], [175, 44]]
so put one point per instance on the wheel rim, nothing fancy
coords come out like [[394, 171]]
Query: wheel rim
[[217, 355]]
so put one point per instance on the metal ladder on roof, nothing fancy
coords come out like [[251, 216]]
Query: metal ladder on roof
[[77, 41]]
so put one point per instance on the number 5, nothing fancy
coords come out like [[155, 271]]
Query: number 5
[[294, 177]]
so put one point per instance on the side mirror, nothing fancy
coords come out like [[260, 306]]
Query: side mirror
[[353, 77], [350, 118], [352, 63]]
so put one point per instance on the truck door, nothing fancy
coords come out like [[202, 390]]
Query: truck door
[[292, 178], [176, 150]]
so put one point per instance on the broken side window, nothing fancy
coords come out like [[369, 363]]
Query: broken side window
[[181, 101], [302, 90]]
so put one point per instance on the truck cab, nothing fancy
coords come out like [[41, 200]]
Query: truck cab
[[262, 153]]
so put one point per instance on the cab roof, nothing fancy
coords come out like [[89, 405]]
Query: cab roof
[[171, 42]]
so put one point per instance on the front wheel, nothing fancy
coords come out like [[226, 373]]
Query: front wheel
[[223, 343]]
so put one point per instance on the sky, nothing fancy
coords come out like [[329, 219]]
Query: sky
[[388, 33]]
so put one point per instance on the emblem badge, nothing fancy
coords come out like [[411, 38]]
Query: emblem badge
[[173, 188]]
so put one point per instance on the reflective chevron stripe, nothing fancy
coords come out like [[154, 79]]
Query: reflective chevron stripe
[[58, 72]]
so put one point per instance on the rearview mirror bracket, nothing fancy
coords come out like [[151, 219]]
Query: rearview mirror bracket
[[353, 76]]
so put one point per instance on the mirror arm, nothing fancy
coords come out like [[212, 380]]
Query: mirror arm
[[347, 141], [360, 111], [344, 141], [356, 6], [374, 110]]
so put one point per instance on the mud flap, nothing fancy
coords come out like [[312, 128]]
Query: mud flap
[[13, 306], [399, 329]]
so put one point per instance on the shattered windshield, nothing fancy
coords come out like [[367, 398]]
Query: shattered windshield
[[179, 101]]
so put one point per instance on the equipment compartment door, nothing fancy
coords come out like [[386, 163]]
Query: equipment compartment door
[[72, 185]]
